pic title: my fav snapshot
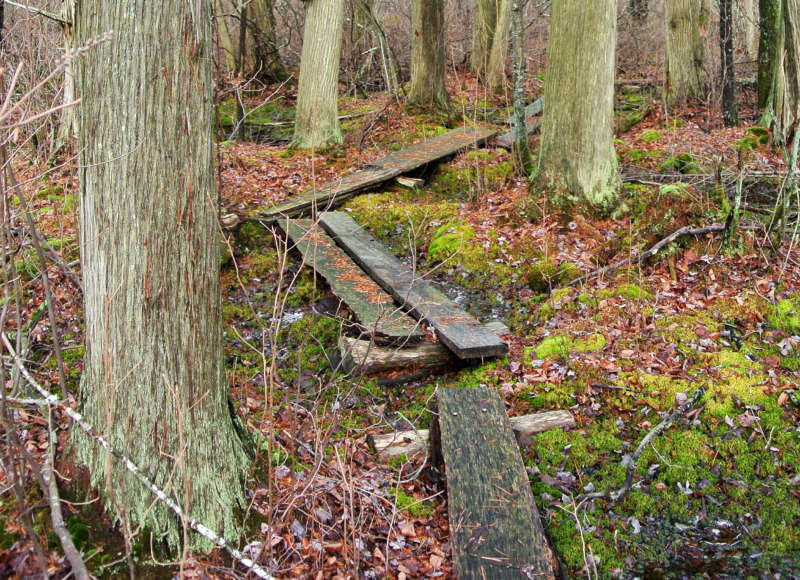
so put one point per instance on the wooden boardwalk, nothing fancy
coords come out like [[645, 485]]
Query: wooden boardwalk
[[413, 157], [374, 309], [458, 330], [495, 530]]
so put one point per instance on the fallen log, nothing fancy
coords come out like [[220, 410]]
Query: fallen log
[[414, 443]]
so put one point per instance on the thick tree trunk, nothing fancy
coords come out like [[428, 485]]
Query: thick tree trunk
[[483, 26], [577, 161], [153, 382], [317, 122], [684, 51], [729, 109], [496, 71], [782, 110], [427, 55], [519, 145], [768, 26], [268, 65]]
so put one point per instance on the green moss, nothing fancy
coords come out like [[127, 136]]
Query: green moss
[[50, 191], [682, 163], [253, 236], [559, 347], [449, 239], [263, 265], [785, 315], [417, 508], [543, 274], [628, 290], [303, 290], [231, 311], [649, 136]]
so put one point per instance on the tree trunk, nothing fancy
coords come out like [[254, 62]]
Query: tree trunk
[[639, 10], [483, 25], [684, 51], [268, 65], [577, 161], [225, 39], [768, 26], [427, 55], [317, 122], [519, 144], [749, 25], [153, 382], [496, 72], [729, 110], [782, 109], [66, 126]]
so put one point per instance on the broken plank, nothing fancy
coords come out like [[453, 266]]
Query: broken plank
[[414, 443], [459, 331], [409, 182], [361, 356], [494, 525], [374, 309], [531, 126], [533, 109], [413, 157]]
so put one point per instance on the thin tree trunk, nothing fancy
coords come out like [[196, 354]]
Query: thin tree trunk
[[782, 110], [519, 144], [427, 55], [225, 39], [66, 127], [729, 109], [241, 57], [317, 122], [268, 65], [684, 51], [577, 164], [483, 26], [639, 10], [154, 382], [496, 72], [769, 31]]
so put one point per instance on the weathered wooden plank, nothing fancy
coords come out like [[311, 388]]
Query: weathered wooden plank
[[495, 530], [532, 123], [331, 194], [414, 444], [459, 331], [374, 309]]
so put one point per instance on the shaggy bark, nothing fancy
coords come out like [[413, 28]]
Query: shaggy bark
[[496, 71], [577, 163], [684, 58], [483, 25], [782, 109], [427, 55], [519, 146], [267, 65], [768, 26], [154, 381], [317, 122], [748, 16]]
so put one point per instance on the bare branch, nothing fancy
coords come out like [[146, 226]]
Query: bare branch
[[50, 15]]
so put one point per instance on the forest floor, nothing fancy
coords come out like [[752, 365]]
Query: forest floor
[[716, 495]]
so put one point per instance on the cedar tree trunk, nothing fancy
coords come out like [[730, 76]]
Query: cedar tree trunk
[[782, 109], [519, 144], [684, 51], [729, 110], [153, 380], [768, 27], [427, 55], [268, 65], [483, 26], [496, 71], [317, 122], [577, 164]]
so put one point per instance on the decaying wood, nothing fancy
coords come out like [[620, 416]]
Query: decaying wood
[[494, 524], [410, 182], [459, 331], [414, 443], [363, 356]]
